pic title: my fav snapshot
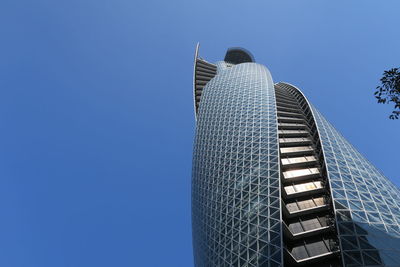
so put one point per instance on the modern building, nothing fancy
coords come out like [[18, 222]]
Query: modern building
[[273, 182]]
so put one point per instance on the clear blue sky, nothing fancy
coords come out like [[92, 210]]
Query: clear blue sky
[[96, 112]]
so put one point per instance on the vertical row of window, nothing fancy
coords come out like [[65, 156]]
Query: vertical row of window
[[307, 213]]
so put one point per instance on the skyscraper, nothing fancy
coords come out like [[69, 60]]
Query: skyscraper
[[273, 182]]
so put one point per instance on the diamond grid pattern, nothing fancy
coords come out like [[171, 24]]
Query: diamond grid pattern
[[235, 177], [221, 66], [367, 204]]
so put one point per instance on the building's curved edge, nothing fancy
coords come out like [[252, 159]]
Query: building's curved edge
[[323, 154], [204, 71], [196, 55], [356, 150]]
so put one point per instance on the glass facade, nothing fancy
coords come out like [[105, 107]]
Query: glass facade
[[367, 204], [236, 189], [274, 184]]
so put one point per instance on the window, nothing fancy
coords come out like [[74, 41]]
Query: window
[[295, 227], [292, 207], [319, 201], [301, 172], [289, 190], [306, 204], [299, 253], [317, 248], [311, 224]]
